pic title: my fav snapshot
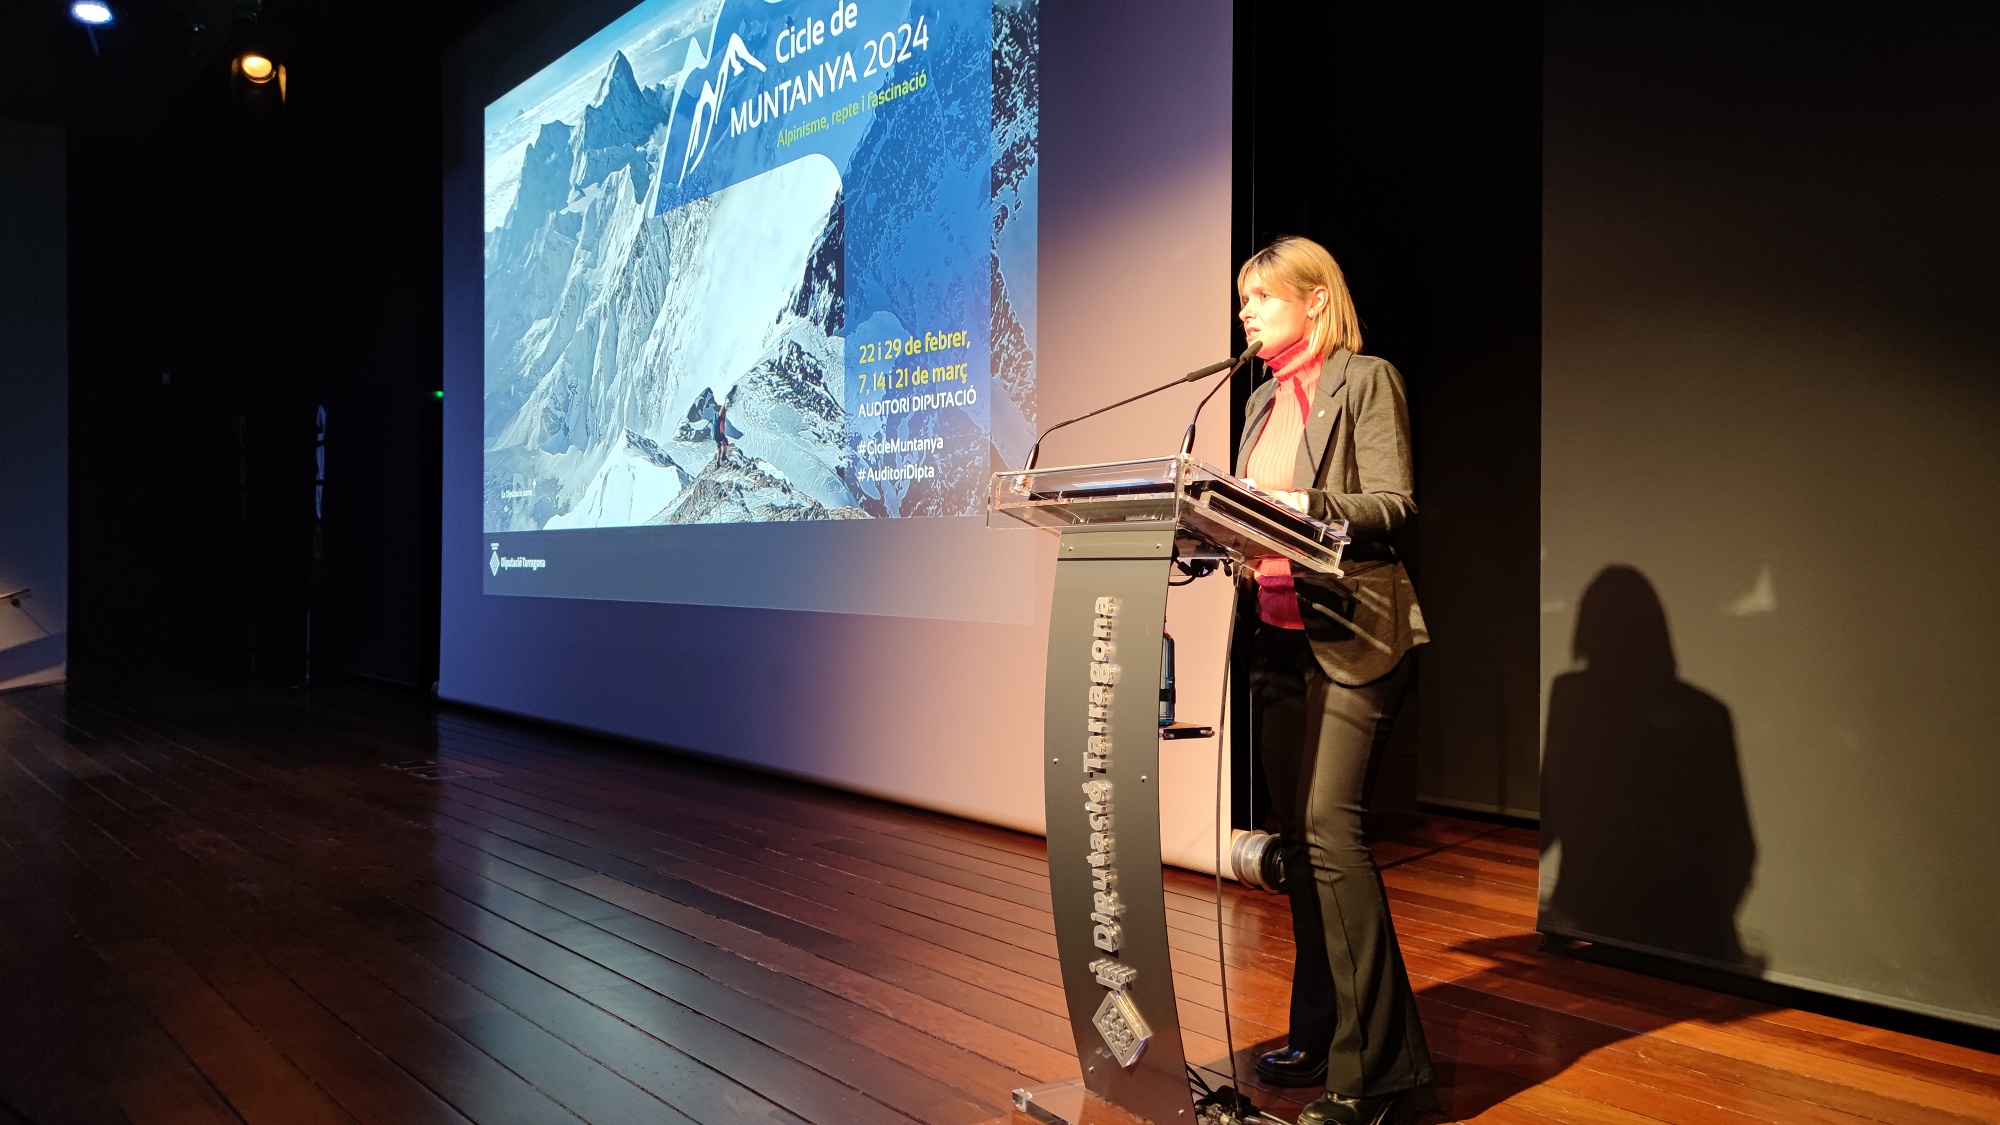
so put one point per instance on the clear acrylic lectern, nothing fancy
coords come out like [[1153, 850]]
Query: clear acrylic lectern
[[1125, 526]]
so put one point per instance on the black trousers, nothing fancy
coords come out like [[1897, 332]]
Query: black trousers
[[1319, 742]]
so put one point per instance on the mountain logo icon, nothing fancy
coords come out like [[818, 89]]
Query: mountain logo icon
[[493, 564], [710, 102]]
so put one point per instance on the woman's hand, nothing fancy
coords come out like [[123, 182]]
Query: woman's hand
[[1297, 501]]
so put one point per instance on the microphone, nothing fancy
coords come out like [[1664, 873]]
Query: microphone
[[1205, 372], [1196, 375], [1187, 440]]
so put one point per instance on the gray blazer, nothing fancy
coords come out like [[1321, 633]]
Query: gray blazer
[[1357, 454]]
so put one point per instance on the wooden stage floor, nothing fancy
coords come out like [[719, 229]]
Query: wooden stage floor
[[227, 907]]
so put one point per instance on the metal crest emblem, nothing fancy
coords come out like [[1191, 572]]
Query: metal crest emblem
[[1123, 1028]]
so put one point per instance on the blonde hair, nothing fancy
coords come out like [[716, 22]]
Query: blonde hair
[[1304, 265]]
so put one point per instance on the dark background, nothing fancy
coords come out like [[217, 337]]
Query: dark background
[[230, 272], [1406, 139]]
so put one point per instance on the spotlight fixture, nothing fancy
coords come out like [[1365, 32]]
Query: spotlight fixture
[[261, 78], [93, 12]]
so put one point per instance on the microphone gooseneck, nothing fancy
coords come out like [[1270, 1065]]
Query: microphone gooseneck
[[1187, 439], [1199, 373]]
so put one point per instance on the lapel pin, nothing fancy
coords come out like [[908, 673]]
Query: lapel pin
[[1322, 413]]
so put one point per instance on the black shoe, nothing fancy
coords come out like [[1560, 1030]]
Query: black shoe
[[1382, 1109], [1291, 1067]]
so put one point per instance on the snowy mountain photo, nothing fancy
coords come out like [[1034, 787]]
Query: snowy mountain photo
[[686, 314]]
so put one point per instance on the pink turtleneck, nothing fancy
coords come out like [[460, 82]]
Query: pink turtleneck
[[1272, 463]]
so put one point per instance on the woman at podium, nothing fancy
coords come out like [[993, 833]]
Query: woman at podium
[[1329, 435]]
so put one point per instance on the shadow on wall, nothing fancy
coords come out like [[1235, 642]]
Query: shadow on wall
[[1644, 824]]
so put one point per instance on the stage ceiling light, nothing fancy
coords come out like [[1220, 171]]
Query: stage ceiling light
[[257, 68], [90, 11]]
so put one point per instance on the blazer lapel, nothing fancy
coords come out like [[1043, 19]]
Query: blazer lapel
[[1325, 411]]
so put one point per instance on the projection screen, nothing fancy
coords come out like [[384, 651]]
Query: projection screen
[[753, 263], [745, 301]]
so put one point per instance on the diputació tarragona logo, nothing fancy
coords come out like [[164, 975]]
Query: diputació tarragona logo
[[496, 564]]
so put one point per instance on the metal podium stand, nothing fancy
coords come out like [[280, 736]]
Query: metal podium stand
[[1125, 527]]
